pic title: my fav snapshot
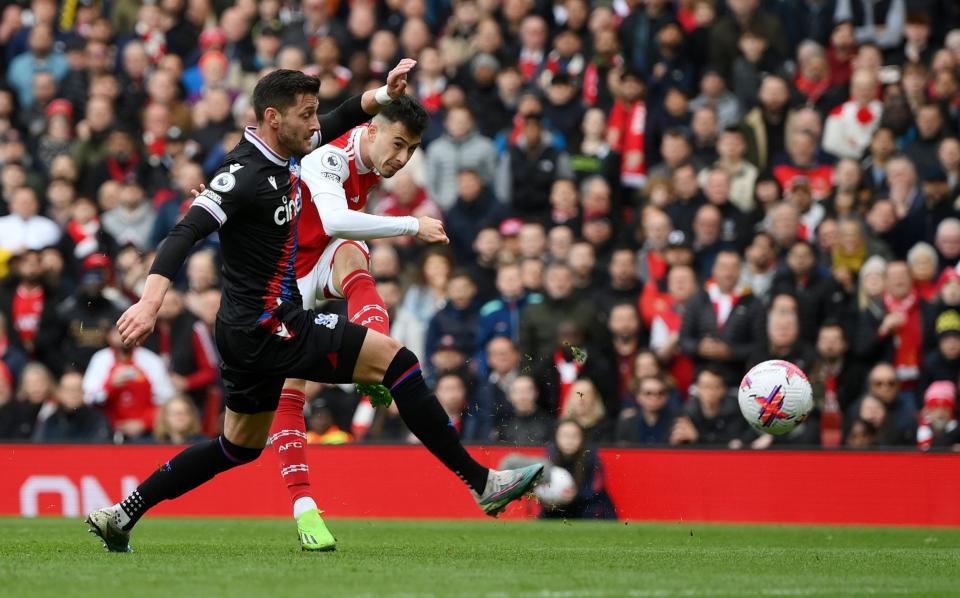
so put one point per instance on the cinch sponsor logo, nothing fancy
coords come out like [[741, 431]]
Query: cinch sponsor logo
[[287, 212]]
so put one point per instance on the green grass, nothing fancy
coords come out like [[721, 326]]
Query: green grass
[[261, 557]]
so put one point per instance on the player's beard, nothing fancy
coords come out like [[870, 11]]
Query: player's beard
[[293, 141]]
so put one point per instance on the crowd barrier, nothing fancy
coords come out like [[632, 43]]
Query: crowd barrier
[[406, 481]]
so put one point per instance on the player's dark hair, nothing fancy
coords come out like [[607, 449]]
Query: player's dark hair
[[409, 112], [280, 90]]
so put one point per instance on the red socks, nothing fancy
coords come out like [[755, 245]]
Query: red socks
[[288, 437], [364, 304]]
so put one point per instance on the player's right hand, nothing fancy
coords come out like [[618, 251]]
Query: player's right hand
[[136, 324], [431, 231], [196, 193]]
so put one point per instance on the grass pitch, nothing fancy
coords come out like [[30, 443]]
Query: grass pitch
[[261, 557]]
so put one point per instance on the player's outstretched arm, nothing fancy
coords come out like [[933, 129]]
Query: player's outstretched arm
[[358, 109], [138, 321]]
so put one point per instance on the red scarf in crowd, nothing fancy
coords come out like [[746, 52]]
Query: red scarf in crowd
[[723, 304], [908, 340], [84, 237], [591, 79], [631, 121], [568, 372]]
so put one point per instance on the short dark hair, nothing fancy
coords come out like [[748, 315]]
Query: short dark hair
[[407, 111], [280, 90]]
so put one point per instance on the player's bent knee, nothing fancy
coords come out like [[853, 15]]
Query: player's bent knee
[[403, 366], [376, 355]]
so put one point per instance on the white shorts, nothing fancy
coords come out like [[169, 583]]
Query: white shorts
[[318, 284]]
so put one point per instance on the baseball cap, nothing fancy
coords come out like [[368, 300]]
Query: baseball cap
[[60, 106], [941, 393], [948, 323], [448, 342], [948, 275], [213, 36], [511, 227]]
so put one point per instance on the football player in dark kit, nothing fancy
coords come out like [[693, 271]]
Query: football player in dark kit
[[263, 333]]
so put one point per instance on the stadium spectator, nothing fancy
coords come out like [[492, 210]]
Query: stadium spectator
[[42, 57], [84, 319], [457, 319], [783, 341], [585, 405], [128, 386], [836, 378], [525, 423], [623, 327], [502, 316], [70, 420], [721, 327], [892, 329], [818, 295], [765, 126], [24, 227], [178, 422], [938, 420], [186, 346], [321, 427], [572, 451], [943, 363], [475, 208], [529, 169], [460, 148], [652, 418], [712, 417], [488, 404], [538, 329], [429, 292]]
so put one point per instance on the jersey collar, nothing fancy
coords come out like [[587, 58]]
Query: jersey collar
[[357, 138], [250, 134]]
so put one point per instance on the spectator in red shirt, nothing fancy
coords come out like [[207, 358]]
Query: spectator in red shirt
[[128, 385]]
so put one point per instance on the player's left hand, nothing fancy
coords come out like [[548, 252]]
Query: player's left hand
[[397, 78], [136, 324]]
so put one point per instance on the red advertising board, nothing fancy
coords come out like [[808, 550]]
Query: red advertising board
[[392, 481]]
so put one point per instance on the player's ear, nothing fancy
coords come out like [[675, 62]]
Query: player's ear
[[271, 117], [372, 129]]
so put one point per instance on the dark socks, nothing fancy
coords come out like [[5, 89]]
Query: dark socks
[[424, 416], [187, 470]]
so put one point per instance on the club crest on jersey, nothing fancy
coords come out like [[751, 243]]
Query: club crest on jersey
[[286, 212], [328, 320], [223, 182]]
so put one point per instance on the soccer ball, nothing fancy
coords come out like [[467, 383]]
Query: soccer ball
[[775, 397], [558, 490]]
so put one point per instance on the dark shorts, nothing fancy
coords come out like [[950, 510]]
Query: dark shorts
[[319, 347]]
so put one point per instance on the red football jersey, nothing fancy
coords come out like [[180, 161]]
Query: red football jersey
[[335, 164]]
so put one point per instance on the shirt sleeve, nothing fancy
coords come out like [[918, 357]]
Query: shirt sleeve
[[324, 173], [95, 377], [222, 198]]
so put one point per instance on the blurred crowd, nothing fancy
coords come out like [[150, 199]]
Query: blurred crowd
[[644, 199]]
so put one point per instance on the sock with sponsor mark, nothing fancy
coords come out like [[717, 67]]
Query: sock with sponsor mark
[[364, 304], [288, 437]]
